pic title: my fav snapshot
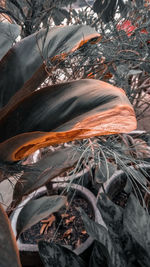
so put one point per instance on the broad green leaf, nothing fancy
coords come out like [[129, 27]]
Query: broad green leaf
[[24, 64], [8, 33], [62, 113], [100, 233], [9, 254], [50, 166], [38, 209], [54, 255], [137, 223]]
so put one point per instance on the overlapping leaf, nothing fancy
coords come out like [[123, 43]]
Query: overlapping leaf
[[9, 254], [113, 217], [24, 63], [38, 209], [62, 113], [50, 166], [128, 235], [8, 33], [99, 256], [100, 233], [137, 223], [55, 255]]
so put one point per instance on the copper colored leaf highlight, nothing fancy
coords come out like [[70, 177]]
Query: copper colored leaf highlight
[[62, 113]]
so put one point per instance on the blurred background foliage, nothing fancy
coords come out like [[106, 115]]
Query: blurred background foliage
[[122, 55]]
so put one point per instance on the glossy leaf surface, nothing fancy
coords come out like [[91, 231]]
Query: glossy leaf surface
[[62, 113], [9, 254], [38, 209]]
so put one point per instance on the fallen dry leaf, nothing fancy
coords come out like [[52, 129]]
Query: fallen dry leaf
[[46, 224], [68, 232], [71, 219]]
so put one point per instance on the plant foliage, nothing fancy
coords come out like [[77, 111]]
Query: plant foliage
[[9, 254], [55, 255], [122, 238], [38, 209], [34, 116]]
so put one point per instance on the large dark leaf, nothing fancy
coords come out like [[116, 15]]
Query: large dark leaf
[[8, 33], [50, 166], [98, 256], [64, 112], [112, 215], [54, 255], [100, 233], [137, 223], [38, 209], [9, 254], [25, 61]]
